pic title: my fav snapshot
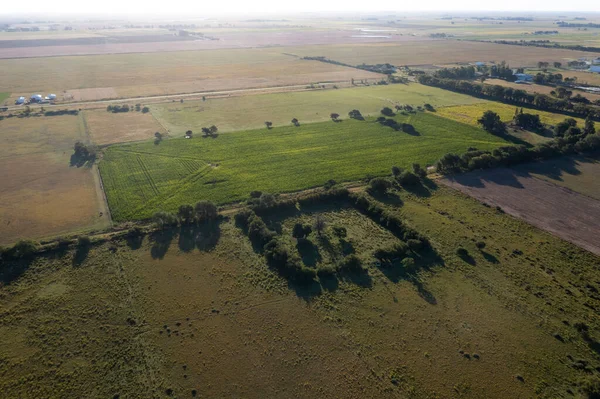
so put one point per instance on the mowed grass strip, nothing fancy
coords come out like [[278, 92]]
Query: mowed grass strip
[[250, 112], [470, 113], [143, 178]]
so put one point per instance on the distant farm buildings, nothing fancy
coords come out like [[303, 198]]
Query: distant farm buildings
[[595, 68], [36, 99], [523, 78], [20, 100]]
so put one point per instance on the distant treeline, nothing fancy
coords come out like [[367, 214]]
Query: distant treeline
[[545, 32], [512, 96], [564, 24], [503, 19], [386, 69], [544, 43], [501, 71], [62, 112]]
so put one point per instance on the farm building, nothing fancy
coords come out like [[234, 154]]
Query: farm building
[[523, 77], [596, 61], [20, 100], [595, 68], [479, 63], [36, 98], [51, 97]]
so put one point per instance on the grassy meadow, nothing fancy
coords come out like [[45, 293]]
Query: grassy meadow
[[185, 322], [4, 96], [251, 111], [108, 128], [143, 178]]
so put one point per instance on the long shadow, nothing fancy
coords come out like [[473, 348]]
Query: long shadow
[[305, 290], [134, 240], [80, 255], [309, 252], [11, 270], [362, 278], [203, 236], [329, 283], [489, 257], [388, 198], [418, 189], [161, 241]]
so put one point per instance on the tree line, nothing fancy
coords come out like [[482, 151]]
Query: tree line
[[512, 96], [543, 43]]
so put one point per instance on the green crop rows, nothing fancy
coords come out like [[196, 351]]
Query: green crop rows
[[142, 178]]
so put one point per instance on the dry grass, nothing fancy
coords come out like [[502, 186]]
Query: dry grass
[[427, 52], [132, 75], [40, 193], [108, 128]]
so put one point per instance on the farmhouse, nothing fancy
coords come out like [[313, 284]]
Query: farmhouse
[[36, 98], [523, 77], [20, 100], [595, 68]]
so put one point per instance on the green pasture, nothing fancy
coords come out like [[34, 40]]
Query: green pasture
[[4, 96], [250, 112], [143, 178]]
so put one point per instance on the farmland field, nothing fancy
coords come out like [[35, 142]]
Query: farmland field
[[4, 96], [537, 202], [40, 194], [470, 113], [436, 52], [133, 75], [108, 128], [143, 178], [250, 112], [221, 323], [579, 174], [535, 88]]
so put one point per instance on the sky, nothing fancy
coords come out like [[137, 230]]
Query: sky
[[254, 7]]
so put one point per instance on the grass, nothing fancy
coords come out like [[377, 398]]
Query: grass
[[250, 112], [4, 96], [41, 194], [470, 113], [141, 179], [108, 128], [191, 317]]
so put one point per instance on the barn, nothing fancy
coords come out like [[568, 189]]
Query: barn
[[595, 68]]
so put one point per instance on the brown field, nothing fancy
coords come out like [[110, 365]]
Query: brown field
[[537, 202], [132, 75], [108, 128], [437, 52], [97, 93], [40, 194], [535, 88]]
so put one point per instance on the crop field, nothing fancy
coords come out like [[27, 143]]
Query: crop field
[[108, 128], [40, 194], [579, 174], [436, 52], [142, 178], [469, 114], [132, 75], [220, 323], [4, 96], [537, 202], [252, 111]]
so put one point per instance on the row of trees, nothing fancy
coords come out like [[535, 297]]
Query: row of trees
[[513, 96], [202, 212], [569, 140], [547, 44]]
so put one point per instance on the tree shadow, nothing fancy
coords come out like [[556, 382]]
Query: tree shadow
[[309, 252], [347, 247], [134, 241], [489, 257], [161, 241], [13, 269], [361, 278], [204, 236], [418, 189], [79, 160], [330, 282], [80, 255], [388, 198], [467, 258], [305, 290]]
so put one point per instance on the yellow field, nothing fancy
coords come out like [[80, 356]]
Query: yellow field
[[428, 52], [40, 194], [132, 75], [108, 128], [470, 113]]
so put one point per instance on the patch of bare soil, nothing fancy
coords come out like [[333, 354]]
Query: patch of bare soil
[[560, 211]]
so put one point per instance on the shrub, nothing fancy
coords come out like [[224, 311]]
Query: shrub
[[23, 249], [242, 217], [387, 111], [429, 107], [301, 231], [329, 184], [379, 185], [417, 170], [396, 171], [84, 241], [408, 178], [350, 263], [165, 219], [388, 254], [408, 128], [480, 245], [409, 264]]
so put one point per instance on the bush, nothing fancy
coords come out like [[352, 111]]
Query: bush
[[408, 128], [301, 231], [396, 171], [23, 249], [408, 178], [462, 252], [387, 111], [379, 185], [255, 194], [84, 241], [165, 219], [350, 263], [480, 245], [242, 217], [420, 172], [388, 254], [409, 264], [414, 245]]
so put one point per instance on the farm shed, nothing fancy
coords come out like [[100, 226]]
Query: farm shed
[[20, 100], [36, 98], [523, 77], [595, 69]]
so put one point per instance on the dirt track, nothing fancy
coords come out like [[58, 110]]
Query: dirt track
[[558, 210]]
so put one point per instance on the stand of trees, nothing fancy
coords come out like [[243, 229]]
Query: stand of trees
[[513, 96]]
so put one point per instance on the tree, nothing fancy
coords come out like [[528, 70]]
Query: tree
[[491, 122], [334, 117], [355, 114], [408, 178], [561, 128], [419, 171], [268, 124], [203, 98], [213, 130], [379, 185], [301, 230], [295, 122], [145, 110], [319, 224], [206, 211], [589, 126], [396, 171], [387, 111], [529, 122], [164, 219], [186, 213], [206, 132], [557, 64]]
